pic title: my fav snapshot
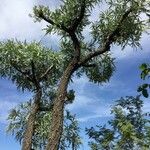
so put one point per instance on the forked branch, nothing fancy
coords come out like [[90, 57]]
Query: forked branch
[[111, 38]]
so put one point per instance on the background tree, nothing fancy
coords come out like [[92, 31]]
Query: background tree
[[114, 26], [128, 130]]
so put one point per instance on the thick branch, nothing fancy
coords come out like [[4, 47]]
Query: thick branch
[[35, 81], [46, 72], [78, 20], [111, 38], [76, 44]]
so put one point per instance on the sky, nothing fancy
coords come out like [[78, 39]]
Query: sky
[[93, 102]]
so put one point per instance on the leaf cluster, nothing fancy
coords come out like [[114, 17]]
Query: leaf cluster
[[18, 120], [127, 130], [145, 73], [20, 61], [67, 16], [127, 31]]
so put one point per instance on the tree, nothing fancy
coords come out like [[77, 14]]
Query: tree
[[128, 130], [18, 118], [31, 67], [68, 21], [145, 73], [114, 26]]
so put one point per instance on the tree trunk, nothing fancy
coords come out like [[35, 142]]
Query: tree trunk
[[56, 128], [27, 139]]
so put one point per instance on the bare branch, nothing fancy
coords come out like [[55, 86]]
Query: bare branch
[[46, 72], [76, 44]]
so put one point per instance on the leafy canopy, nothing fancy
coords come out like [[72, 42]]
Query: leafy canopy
[[20, 61]]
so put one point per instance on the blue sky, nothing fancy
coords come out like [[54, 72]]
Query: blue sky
[[93, 102]]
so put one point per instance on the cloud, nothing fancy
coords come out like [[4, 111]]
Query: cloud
[[87, 108], [16, 23]]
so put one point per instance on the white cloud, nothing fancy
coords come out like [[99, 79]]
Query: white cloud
[[16, 23], [87, 108], [146, 106]]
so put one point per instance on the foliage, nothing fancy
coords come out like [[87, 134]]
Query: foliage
[[145, 73], [127, 130], [17, 124], [112, 19], [67, 15], [70, 137], [18, 118], [17, 60], [120, 24]]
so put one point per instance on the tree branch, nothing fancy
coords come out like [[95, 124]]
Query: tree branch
[[24, 73], [78, 20], [46, 72], [76, 44], [89, 65], [35, 81], [50, 21], [108, 42]]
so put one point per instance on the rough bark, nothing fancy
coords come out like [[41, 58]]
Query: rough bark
[[27, 140], [56, 128]]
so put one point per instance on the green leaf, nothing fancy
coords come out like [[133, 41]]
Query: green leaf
[[145, 93], [143, 66], [139, 89], [145, 86]]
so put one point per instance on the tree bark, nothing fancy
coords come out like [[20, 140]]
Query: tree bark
[[56, 128], [27, 140]]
